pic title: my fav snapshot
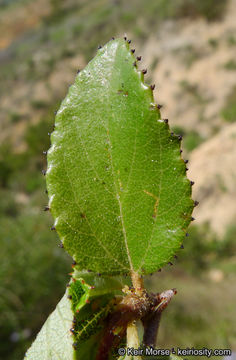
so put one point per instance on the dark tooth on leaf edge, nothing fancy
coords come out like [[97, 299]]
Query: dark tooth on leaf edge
[[187, 234], [69, 296], [186, 161], [182, 246], [112, 38], [44, 172], [135, 64], [196, 203], [181, 151], [53, 228], [99, 47], [180, 137], [125, 38], [61, 245], [166, 121], [152, 87], [46, 208], [139, 58], [159, 270], [159, 106], [175, 256], [133, 51], [170, 263], [129, 41], [191, 183], [144, 71], [192, 218]]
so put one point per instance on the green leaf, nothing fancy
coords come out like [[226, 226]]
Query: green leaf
[[91, 302], [117, 184], [54, 341]]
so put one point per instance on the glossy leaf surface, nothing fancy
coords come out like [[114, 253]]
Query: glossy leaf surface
[[116, 181]]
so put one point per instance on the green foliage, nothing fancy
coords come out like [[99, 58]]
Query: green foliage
[[50, 346], [213, 42], [15, 117], [231, 40], [209, 9], [89, 20], [79, 28], [10, 164], [32, 276], [81, 309], [229, 111], [37, 138], [205, 248], [116, 181], [191, 139], [230, 65]]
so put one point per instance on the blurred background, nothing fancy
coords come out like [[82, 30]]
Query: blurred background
[[189, 48]]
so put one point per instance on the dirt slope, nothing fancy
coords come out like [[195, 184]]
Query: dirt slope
[[213, 168]]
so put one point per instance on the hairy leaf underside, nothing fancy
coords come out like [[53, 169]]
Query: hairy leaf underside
[[74, 329], [117, 184]]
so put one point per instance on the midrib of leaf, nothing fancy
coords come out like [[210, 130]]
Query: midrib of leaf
[[117, 182], [114, 125], [120, 205], [89, 322], [118, 196]]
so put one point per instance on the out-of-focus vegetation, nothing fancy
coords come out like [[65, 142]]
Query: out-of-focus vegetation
[[191, 139], [34, 270], [205, 267], [229, 111]]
